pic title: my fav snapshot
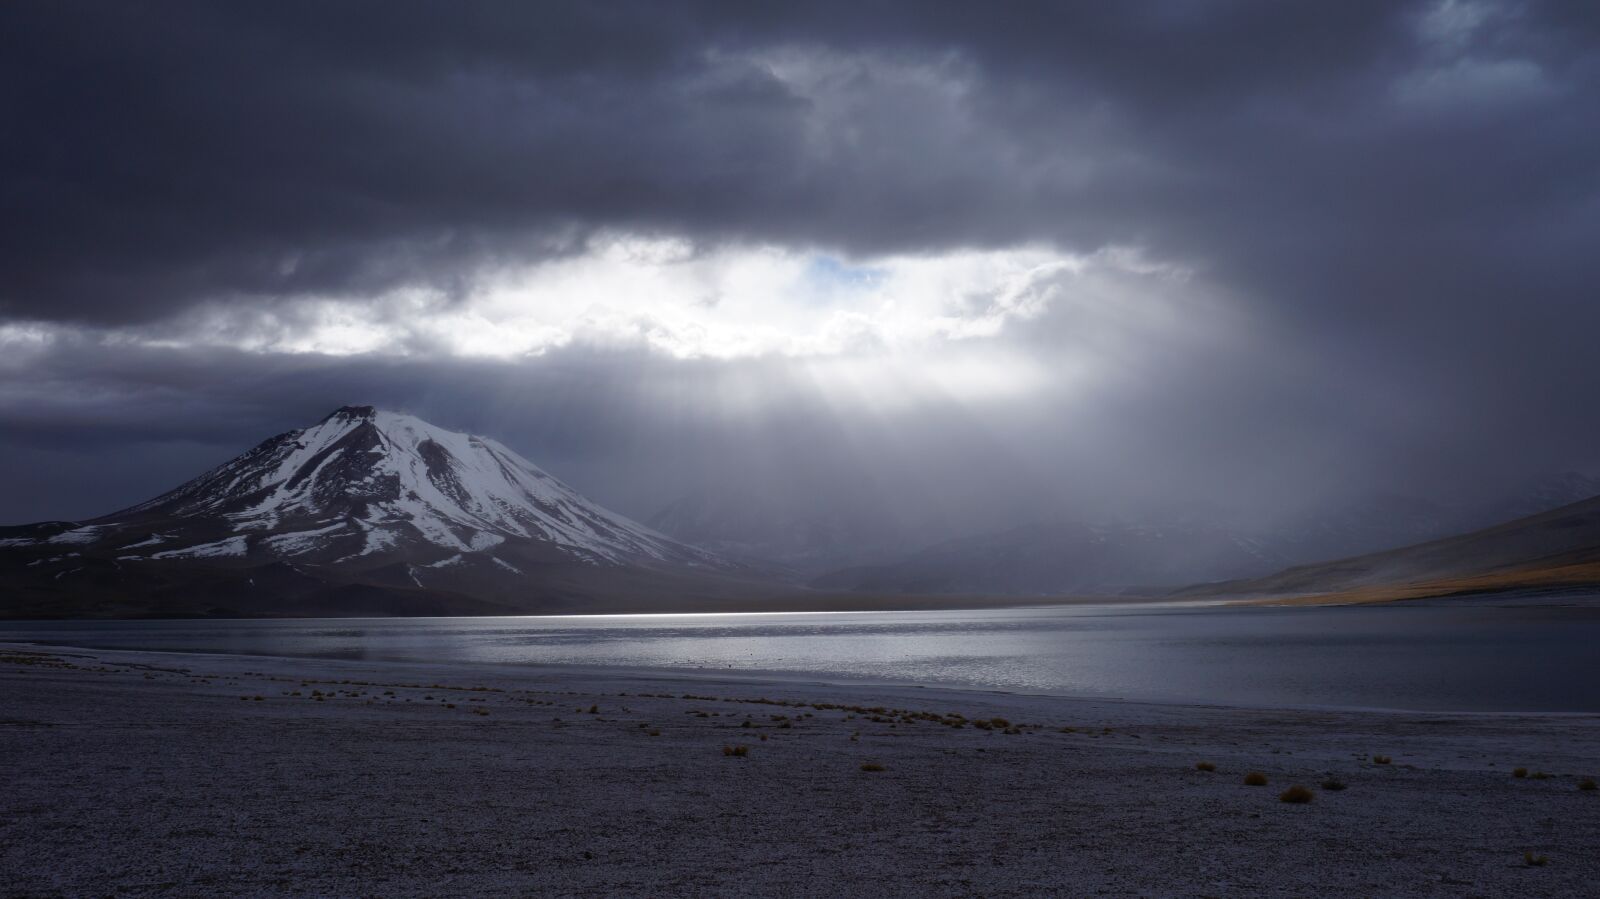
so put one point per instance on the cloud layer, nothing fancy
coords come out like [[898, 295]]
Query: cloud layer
[[1033, 255]]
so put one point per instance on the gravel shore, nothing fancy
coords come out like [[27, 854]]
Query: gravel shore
[[201, 775]]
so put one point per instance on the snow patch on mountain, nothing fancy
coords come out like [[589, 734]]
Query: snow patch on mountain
[[298, 542], [233, 546], [154, 540], [87, 534]]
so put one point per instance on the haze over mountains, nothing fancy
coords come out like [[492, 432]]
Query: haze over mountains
[[1558, 548], [375, 512], [868, 545]]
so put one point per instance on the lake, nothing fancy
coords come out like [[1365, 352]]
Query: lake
[[1534, 654]]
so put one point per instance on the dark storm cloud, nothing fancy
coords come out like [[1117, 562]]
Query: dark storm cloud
[[166, 153], [1400, 203]]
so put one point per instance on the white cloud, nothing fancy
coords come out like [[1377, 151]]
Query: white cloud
[[1452, 24], [968, 324], [670, 297], [1460, 69]]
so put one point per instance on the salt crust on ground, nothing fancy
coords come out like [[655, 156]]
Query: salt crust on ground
[[147, 774]]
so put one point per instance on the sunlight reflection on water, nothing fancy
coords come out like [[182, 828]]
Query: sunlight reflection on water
[[1466, 656]]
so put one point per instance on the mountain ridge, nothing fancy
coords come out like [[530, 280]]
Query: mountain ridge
[[364, 501], [1160, 552], [1558, 547]]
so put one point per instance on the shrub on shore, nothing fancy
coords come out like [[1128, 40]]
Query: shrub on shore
[[1535, 861], [1333, 785], [736, 751], [1381, 760], [1255, 779], [1204, 766], [872, 766], [1587, 784], [1519, 772], [1296, 795]]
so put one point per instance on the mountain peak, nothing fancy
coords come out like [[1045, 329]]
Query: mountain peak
[[401, 432], [353, 413], [365, 487]]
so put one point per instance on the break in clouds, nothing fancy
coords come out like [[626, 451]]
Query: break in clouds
[[970, 263]]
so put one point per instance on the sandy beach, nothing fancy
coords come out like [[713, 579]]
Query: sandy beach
[[131, 773]]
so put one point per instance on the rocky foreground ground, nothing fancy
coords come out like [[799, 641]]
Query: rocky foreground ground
[[160, 774]]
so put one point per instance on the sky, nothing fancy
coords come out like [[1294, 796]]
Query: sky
[[953, 262]]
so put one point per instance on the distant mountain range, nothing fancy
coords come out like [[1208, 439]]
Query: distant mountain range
[[1065, 558], [365, 512], [370, 512], [1152, 557], [1559, 548]]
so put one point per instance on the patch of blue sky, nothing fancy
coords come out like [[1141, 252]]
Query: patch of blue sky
[[828, 276]]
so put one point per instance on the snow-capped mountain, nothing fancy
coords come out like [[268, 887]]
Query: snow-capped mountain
[[366, 497], [368, 484]]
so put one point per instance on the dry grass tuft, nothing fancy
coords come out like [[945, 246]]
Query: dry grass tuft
[[1381, 760], [1535, 861], [1587, 784], [1519, 772], [1204, 766], [1255, 779], [872, 766], [1297, 795], [1333, 785], [738, 752]]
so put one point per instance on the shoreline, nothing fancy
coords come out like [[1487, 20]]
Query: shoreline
[[998, 604], [757, 600], [164, 774], [760, 677]]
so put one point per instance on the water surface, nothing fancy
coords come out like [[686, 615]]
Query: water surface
[[1530, 655]]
